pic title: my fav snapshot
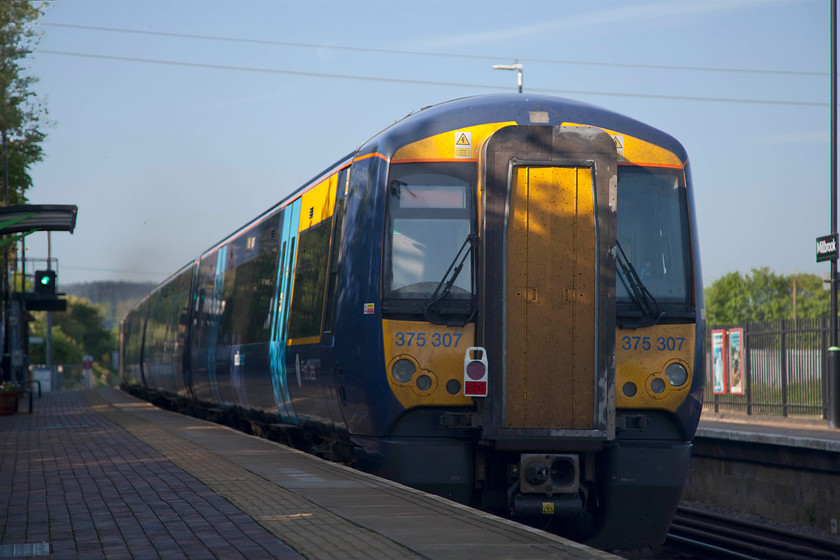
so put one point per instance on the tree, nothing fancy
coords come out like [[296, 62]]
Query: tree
[[725, 299], [812, 300], [764, 296], [75, 333], [22, 114]]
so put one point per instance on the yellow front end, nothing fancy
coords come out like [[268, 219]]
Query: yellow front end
[[654, 366], [425, 362]]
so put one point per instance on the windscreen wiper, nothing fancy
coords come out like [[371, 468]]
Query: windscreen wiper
[[636, 289], [445, 285]]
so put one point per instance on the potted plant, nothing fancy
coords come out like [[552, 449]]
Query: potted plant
[[9, 391]]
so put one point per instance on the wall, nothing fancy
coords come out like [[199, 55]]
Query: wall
[[782, 482]]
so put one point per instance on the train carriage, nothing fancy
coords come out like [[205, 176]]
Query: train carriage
[[496, 299]]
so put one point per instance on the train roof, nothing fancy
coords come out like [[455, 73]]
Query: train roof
[[466, 112], [471, 111]]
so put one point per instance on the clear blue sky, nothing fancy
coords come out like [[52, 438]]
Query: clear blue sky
[[177, 121]]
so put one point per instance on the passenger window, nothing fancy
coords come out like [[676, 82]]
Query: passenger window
[[310, 281]]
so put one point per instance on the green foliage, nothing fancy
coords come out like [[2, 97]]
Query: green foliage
[[75, 333], [812, 300], [22, 115], [115, 298], [764, 296], [65, 349]]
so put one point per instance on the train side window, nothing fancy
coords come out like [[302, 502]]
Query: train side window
[[310, 281]]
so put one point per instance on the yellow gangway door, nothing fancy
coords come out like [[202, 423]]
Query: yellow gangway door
[[547, 304], [550, 297]]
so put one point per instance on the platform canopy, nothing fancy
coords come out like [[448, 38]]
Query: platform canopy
[[29, 218]]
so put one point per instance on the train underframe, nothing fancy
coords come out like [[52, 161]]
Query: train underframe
[[617, 494]]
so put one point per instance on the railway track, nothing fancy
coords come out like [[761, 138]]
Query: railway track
[[719, 536]]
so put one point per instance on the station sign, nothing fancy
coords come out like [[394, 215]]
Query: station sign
[[827, 248]]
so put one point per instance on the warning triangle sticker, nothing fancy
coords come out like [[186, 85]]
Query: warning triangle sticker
[[462, 140]]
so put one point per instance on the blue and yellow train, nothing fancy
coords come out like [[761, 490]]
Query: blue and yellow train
[[497, 299]]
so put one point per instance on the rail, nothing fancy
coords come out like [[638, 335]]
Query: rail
[[715, 535]]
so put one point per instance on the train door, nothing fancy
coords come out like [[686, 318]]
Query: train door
[[185, 331], [550, 288], [207, 311], [333, 383], [549, 228]]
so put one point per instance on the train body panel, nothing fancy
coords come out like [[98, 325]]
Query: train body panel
[[648, 364], [425, 365], [366, 400], [131, 344], [165, 338], [496, 299]]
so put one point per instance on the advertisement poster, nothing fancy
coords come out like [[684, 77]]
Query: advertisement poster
[[736, 360], [718, 362]]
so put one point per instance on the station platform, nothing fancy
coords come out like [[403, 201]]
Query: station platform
[[799, 432], [100, 474]]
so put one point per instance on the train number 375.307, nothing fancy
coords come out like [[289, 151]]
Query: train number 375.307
[[421, 339], [646, 343]]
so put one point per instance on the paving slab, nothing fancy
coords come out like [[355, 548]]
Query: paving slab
[[100, 474]]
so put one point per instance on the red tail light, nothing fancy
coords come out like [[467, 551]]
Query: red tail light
[[475, 372]]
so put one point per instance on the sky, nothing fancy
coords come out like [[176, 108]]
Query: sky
[[174, 122]]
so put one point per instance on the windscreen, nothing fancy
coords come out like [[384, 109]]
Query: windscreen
[[653, 231], [429, 221]]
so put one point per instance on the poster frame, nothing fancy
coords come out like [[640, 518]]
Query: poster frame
[[719, 361], [735, 360]]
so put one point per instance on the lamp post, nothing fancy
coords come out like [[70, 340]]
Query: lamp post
[[517, 67]]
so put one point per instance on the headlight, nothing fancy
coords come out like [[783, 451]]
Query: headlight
[[423, 383], [676, 374], [403, 370], [657, 386], [549, 474]]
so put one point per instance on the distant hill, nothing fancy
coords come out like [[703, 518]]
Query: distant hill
[[116, 298]]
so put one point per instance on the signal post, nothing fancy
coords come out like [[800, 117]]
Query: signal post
[[16, 223]]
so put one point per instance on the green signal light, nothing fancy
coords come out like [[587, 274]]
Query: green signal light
[[44, 282]]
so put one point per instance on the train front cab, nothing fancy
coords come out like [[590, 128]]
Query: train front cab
[[581, 424], [582, 415]]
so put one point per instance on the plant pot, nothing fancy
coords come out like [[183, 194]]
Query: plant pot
[[8, 403]]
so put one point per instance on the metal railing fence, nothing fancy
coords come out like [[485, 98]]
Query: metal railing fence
[[66, 377], [784, 369]]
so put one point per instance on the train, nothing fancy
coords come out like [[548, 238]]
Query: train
[[496, 299]]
